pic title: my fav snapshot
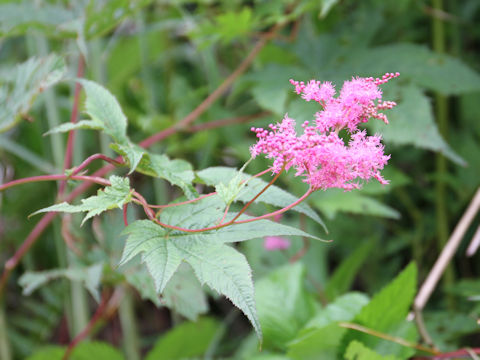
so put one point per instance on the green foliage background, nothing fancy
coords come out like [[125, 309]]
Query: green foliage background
[[160, 59]]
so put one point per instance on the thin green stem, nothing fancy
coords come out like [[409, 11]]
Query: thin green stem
[[441, 107], [129, 327], [5, 353]]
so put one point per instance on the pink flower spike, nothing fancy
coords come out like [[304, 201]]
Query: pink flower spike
[[272, 243]]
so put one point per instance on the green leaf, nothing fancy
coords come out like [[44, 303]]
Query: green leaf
[[82, 124], [284, 305], [142, 281], [322, 335], [96, 350], [48, 353], [113, 196], [131, 152], [219, 266], [273, 195], [332, 201], [105, 112], [226, 271], [162, 257], [344, 274], [184, 294], [89, 276], [326, 6], [103, 16], [104, 108], [411, 122], [416, 63], [83, 351], [357, 351], [17, 18], [176, 172], [386, 312], [21, 85], [187, 340]]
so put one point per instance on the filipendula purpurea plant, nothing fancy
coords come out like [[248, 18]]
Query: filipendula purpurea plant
[[198, 228]]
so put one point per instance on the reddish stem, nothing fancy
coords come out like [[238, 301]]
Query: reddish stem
[[231, 222], [260, 193], [73, 119], [125, 220], [224, 122], [47, 218], [95, 179], [93, 157], [450, 355]]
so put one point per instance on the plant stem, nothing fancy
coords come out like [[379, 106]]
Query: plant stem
[[441, 107], [388, 337], [129, 327], [5, 353]]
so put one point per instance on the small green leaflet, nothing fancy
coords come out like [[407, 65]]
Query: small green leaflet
[[104, 110], [357, 351], [113, 196], [20, 86]]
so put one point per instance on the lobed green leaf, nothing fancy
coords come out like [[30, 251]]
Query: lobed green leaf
[[114, 196]]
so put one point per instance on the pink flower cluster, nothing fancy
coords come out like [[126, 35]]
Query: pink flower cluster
[[320, 154]]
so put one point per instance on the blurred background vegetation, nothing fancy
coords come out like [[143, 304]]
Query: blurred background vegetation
[[161, 59]]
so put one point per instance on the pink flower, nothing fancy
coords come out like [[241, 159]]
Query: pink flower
[[272, 243], [320, 154]]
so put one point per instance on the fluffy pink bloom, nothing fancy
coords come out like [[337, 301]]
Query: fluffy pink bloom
[[320, 154], [272, 243]]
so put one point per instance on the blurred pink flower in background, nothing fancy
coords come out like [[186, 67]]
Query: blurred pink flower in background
[[272, 243]]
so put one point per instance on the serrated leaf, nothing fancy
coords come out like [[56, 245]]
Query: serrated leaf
[[273, 195], [284, 305], [176, 172], [229, 192], [332, 201], [184, 294], [412, 122], [89, 276], [226, 271], [21, 85], [142, 281], [113, 196], [160, 255], [131, 152], [322, 335], [219, 266], [82, 124], [104, 109], [357, 351], [187, 340], [344, 274]]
